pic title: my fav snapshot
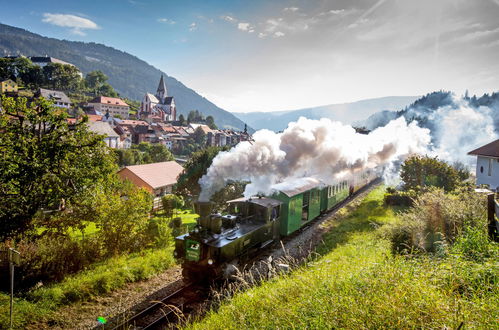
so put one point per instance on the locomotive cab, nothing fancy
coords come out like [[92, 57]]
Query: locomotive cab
[[219, 240]]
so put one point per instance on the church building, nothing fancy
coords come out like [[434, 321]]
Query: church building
[[159, 107]]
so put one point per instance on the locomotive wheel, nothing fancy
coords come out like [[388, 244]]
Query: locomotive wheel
[[190, 275]]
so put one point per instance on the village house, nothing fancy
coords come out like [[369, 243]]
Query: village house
[[159, 107], [156, 178], [60, 99], [110, 105], [8, 86], [46, 60], [487, 164], [111, 138]]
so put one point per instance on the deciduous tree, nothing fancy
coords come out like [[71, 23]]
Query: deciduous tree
[[45, 163]]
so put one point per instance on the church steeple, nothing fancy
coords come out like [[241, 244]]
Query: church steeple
[[161, 93]]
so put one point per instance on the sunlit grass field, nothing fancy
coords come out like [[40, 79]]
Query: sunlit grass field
[[357, 283]]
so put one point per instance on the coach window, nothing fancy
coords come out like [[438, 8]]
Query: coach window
[[275, 213]]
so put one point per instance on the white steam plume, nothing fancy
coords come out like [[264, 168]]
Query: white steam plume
[[322, 149], [460, 129]]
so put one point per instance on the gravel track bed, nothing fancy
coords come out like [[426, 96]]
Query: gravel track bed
[[134, 297]]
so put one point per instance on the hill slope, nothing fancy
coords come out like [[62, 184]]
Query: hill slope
[[129, 75], [345, 112]]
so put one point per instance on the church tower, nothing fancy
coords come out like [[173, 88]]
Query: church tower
[[161, 93]]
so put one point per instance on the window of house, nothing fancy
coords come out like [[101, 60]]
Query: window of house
[[490, 167], [481, 169]]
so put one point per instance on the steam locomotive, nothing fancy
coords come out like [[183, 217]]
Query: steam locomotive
[[220, 242]]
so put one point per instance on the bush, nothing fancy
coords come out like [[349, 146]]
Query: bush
[[474, 244], [171, 202], [421, 172], [399, 198], [437, 219], [51, 258]]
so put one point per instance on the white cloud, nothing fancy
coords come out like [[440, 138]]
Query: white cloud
[[247, 27], [166, 21], [229, 18], [76, 23], [293, 9], [337, 11], [193, 26], [279, 34]]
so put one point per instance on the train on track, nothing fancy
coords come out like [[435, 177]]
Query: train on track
[[222, 241]]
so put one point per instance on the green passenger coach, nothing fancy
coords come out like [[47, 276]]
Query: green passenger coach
[[220, 242]]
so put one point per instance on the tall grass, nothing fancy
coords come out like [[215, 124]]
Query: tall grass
[[104, 277], [357, 283]]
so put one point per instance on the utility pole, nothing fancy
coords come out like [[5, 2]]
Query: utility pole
[[11, 257]]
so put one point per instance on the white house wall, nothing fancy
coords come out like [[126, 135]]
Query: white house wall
[[482, 171]]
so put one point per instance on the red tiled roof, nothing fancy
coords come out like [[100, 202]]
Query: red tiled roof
[[109, 100], [490, 150], [94, 117], [130, 122], [157, 175]]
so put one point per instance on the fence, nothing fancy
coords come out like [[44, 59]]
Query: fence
[[157, 204], [493, 215]]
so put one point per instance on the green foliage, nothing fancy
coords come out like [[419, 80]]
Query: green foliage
[[45, 164], [199, 136], [197, 165], [474, 244], [62, 77], [110, 275], [122, 215], [54, 75], [143, 153], [100, 279], [437, 219], [399, 198], [420, 172], [170, 203], [357, 284], [96, 83], [181, 120]]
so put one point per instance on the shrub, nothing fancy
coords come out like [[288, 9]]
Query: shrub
[[399, 198], [437, 219], [171, 202], [420, 172], [50, 258]]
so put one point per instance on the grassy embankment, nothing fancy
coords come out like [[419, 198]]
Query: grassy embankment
[[356, 282], [100, 279]]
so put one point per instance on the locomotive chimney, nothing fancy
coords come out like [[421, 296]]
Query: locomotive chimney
[[204, 211]]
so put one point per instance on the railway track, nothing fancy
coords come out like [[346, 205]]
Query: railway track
[[170, 309], [177, 305]]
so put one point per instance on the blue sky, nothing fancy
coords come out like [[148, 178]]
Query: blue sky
[[275, 55]]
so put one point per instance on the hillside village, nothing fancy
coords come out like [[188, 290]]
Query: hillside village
[[154, 121]]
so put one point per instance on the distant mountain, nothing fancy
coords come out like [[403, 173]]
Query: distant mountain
[[129, 75], [345, 112], [426, 109]]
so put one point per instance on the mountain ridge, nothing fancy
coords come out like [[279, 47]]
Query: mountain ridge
[[128, 74], [345, 112]]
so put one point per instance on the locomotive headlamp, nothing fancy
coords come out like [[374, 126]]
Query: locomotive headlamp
[[175, 253], [210, 261], [196, 230]]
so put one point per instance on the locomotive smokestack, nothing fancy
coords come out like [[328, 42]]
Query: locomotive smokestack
[[204, 211]]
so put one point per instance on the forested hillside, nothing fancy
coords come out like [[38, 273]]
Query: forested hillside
[[129, 75]]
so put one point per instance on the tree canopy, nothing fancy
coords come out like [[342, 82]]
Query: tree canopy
[[418, 172], [46, 164]]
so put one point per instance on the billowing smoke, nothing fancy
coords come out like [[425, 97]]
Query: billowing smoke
[[326, 150], [459, 129], [457, 125]]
